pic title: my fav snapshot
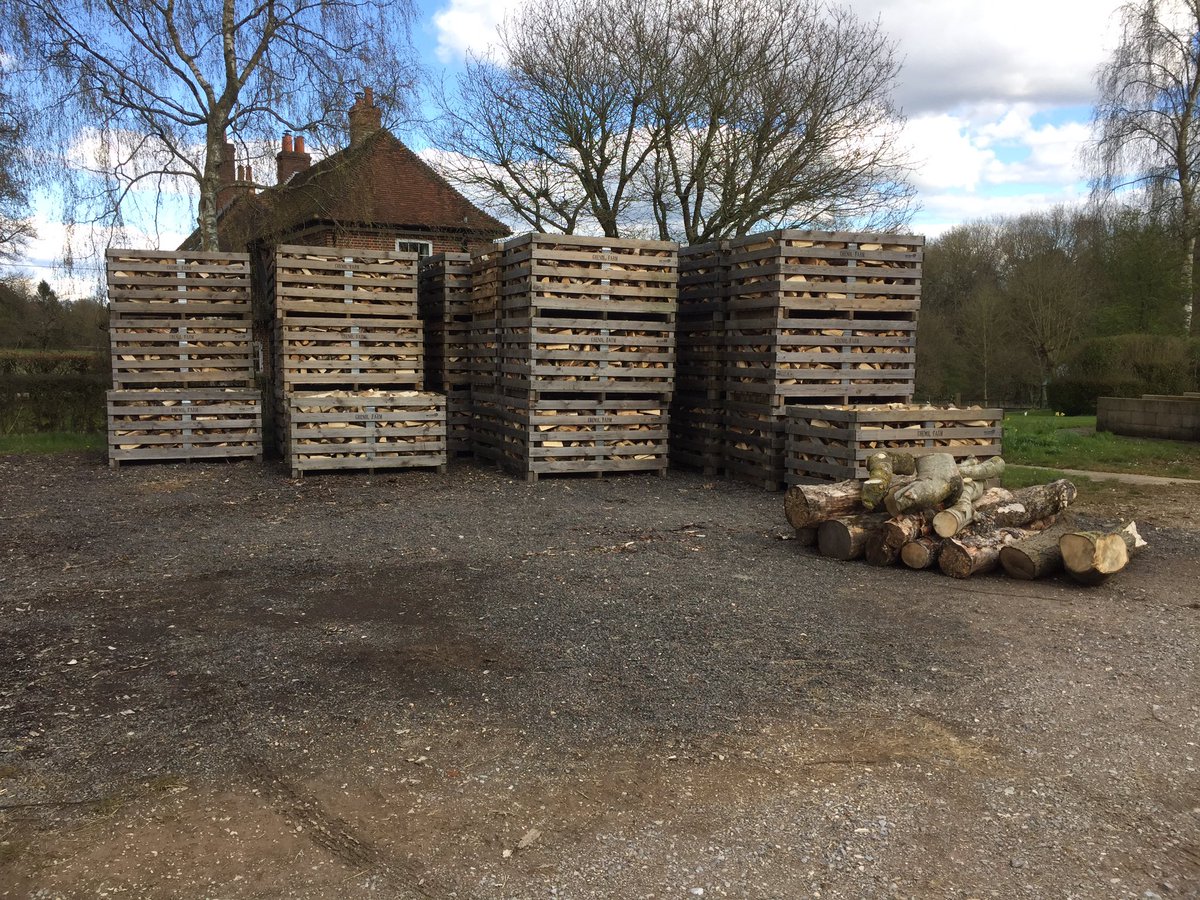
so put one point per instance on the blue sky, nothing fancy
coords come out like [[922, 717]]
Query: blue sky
[[997, 97]]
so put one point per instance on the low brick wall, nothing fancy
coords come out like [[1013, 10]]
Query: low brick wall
[[1152, 416]]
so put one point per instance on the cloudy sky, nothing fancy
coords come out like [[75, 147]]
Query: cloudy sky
[[997, 95]]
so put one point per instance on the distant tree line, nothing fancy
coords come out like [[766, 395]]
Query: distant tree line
[[35, 318], [1055, 308]]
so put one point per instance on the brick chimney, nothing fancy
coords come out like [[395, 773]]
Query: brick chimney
[[291, 159], [227, 176], [365, 117]]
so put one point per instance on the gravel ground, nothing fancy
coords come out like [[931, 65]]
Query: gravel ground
[[222, 683]]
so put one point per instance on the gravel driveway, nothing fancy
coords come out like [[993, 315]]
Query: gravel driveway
[[218, 682]]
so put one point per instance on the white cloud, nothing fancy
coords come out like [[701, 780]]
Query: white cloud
[[468, 25], [959, 52]]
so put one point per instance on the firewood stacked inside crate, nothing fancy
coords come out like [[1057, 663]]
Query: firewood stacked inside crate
[[348, 362], [697, 407], [931, 511], [835, 442], [180, 336], [484, 359], [585, 342], [444, 299], [813, 318]]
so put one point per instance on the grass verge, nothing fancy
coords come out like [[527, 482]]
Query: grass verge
[[1072, 442], [50, 442]]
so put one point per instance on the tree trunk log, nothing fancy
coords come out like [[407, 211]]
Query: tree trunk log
[[937, 482], [879, 552], [902, 529], [807, 536], [954, 518], [1028, 505], [882, 467], [811, 504], [921, 553], [1034, 557], [846, 538], [1092, 557], [977, 553], [982, 471]]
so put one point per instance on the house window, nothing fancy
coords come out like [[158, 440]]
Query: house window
[[421, 248]]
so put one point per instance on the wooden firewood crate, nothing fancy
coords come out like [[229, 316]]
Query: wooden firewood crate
[[834, 442], [179, 319], [444, 300], [373, 430], [346, 320], [184, 424], [578, 433], [483, 362], [698, 431], [570, 272]]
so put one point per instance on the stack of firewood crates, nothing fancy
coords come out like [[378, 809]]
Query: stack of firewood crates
[[347, 360], [697, 407], [580, 335], [180, 335], [444, 299], [788, 318]]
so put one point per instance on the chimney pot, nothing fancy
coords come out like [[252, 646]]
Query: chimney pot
[[299, 143], [365, 117], [368, 96], [287, 143]]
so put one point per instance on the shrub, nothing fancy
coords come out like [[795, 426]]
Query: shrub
[[33, 403], [1126, 365]]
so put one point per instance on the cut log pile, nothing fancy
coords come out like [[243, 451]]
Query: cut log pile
[[182, 351], [934, 510]]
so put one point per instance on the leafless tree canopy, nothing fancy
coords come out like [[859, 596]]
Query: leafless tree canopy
[[699, 118], [15, 227], [145, 92], [1147, 118]]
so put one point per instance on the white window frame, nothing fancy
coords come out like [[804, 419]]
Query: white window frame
[[423, 249]]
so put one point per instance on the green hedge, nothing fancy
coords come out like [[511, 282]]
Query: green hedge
[[1127, 365], [53, 362], [39, 403]]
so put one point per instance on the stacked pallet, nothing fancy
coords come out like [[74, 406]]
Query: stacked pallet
[[835, 442], [697, 407], [585, 346], [484, 359], [348, 348], [444, 301], [182, 357], [813, 318]]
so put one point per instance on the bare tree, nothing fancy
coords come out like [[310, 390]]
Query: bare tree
[[554, 123], [700, 118], [15, 226], [147, 92], [775, 113], [1147, 120]]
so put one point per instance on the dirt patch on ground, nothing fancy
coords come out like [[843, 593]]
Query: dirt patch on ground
[[220, 682]]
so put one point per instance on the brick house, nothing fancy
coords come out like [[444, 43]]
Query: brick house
[[375, 194]]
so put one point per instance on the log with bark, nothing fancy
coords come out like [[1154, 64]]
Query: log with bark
[[899, 530], [846, 538], [938, 481], [879, 552], [1034, 557], [811, 504], [921, 553], [976, 554], [955, 517], [882, 467], [998, 508], [1092, 557]]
